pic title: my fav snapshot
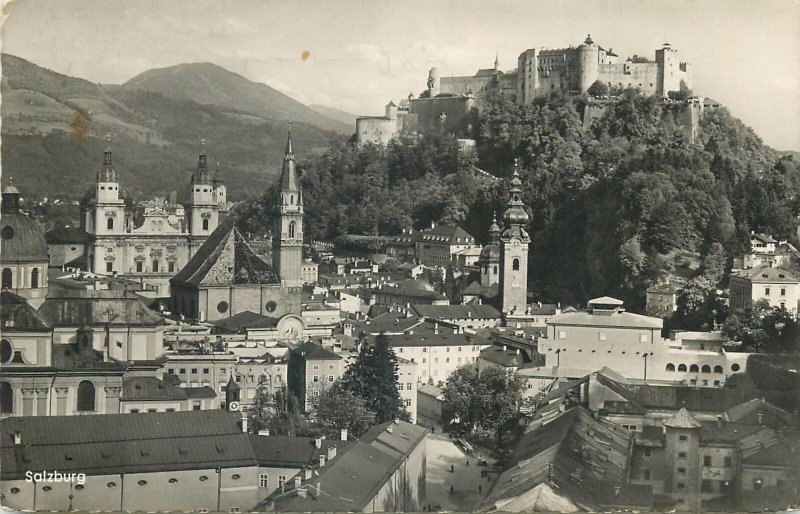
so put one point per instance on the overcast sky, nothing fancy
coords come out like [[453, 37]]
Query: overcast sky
[[363, 53]]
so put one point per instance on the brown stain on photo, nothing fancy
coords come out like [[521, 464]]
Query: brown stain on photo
[[305, 55], [79, 124]]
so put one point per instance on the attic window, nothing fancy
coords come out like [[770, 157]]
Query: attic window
[[67, 456], [220, 449], [144, 453], [183, 451]]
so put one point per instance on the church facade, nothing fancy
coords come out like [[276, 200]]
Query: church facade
[[152, 242]]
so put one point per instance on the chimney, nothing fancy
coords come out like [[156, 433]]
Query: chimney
[[244, 424], [318, 442], [331, 452], [317, 488], [396, 421], [719, 422], [343, 435], [505, 347], [433, 224], [300, 492], [322, 461], [297, 481], [517, 351], [389, 429], [436, 328], [17, 438], [307, 472]]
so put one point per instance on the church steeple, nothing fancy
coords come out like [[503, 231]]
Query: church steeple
[[11, 197], [288, 173], [494, 230], [202, 175], [287, 235], [514, 242], [107, 172]]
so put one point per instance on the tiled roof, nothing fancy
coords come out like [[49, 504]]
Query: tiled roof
[[450, 234], [313, 351], [226, 259], [387, 322], [151, 388], [510, 357], [457, 311], [682, 419], [107, 444], [16, 315], [66, 357], [78, 307], [758, 405], [441, 339], [292, 452], [767, 274]]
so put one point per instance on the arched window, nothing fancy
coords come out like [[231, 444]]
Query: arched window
[[205, 224], [110, 224], [35, 278], [495, 270], [291, 199], [681, 367], [5, 351], [291, 229], [6, 398], [717, 369], [670, 367], [694, 368], [706, 368], [85, 396], [155, 265], [8, 281], [515, 265]]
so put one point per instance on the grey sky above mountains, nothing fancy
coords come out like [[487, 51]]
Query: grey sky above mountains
[[361, 54]]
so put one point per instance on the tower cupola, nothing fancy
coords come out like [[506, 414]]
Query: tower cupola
[[202, 175], [107, 172], [516, 214]]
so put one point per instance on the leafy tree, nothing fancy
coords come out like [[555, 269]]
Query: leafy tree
[[337, 408], [598, 88], [486, 401], [762, 327], [280, 415], [373, 378]]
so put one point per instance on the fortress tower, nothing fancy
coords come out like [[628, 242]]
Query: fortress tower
[[514, 242], [588, 63], [287, 235], [433, 83]]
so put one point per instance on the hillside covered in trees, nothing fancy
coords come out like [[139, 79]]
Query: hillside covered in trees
[[612, 207]]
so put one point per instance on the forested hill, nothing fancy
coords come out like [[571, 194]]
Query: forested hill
[[611, 207]]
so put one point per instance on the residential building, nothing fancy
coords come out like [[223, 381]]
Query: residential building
[[311, 369], [194, 368], [662, 299], [407, 379], [465, 316], [777, 286], [439, 245], [408, 292]]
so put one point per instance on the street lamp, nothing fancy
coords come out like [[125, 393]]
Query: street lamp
[[558, 356], [645, 364]]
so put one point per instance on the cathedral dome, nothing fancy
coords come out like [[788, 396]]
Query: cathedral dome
[[22, 238]]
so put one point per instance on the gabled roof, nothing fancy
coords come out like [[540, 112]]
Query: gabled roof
[[605, 300], [758, 405], [764, 238], [16, 315], [106, 444], [450, 234], [151, 388], [509, 357], [682, 419], [226, 259], [66, 357], [65, 235], [292, 452]]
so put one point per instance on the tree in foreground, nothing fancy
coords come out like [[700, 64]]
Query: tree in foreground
[[486, 401], [337, 408], [373, 378]]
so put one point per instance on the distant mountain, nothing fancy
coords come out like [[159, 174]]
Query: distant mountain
[[54, 126], [790, 153], [209, 84], [335, 114]]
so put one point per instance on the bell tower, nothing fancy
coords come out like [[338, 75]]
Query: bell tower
[[514, 242], [287, 235], [203, 209], [105, 219]]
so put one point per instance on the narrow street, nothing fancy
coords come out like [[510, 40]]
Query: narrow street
[[465, 479]]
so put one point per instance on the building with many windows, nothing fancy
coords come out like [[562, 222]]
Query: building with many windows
[[776, 286], [312, 368]]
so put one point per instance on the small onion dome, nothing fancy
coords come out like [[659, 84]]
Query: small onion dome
[[490, 252], [107, 173], [202, 174], [516, 214]]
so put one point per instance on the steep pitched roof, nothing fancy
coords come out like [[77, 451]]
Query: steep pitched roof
[[226, 259], [767, 274], [18, 316], [292, 452], [244, 320], [313, 351], [450, 234], [682, 419], [457, 311]]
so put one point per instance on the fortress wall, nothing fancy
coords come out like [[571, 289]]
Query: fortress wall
[[641, 75], [456, 108], [464, 85], [375, 130]]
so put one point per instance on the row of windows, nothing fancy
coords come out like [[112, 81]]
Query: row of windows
[[8, 278], [315, 378], [694, 368], [408, 386], [155, 267], [603, 336], [85, 403]]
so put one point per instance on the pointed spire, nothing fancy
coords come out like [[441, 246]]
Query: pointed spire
[[516, 214], [201, 174], [288, 173], [496, 62], [494, 229]]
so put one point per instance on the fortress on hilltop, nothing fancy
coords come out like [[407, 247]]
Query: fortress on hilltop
[[450, 104]]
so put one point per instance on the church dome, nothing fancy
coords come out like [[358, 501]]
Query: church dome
[[108, 173], [22, 239]]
